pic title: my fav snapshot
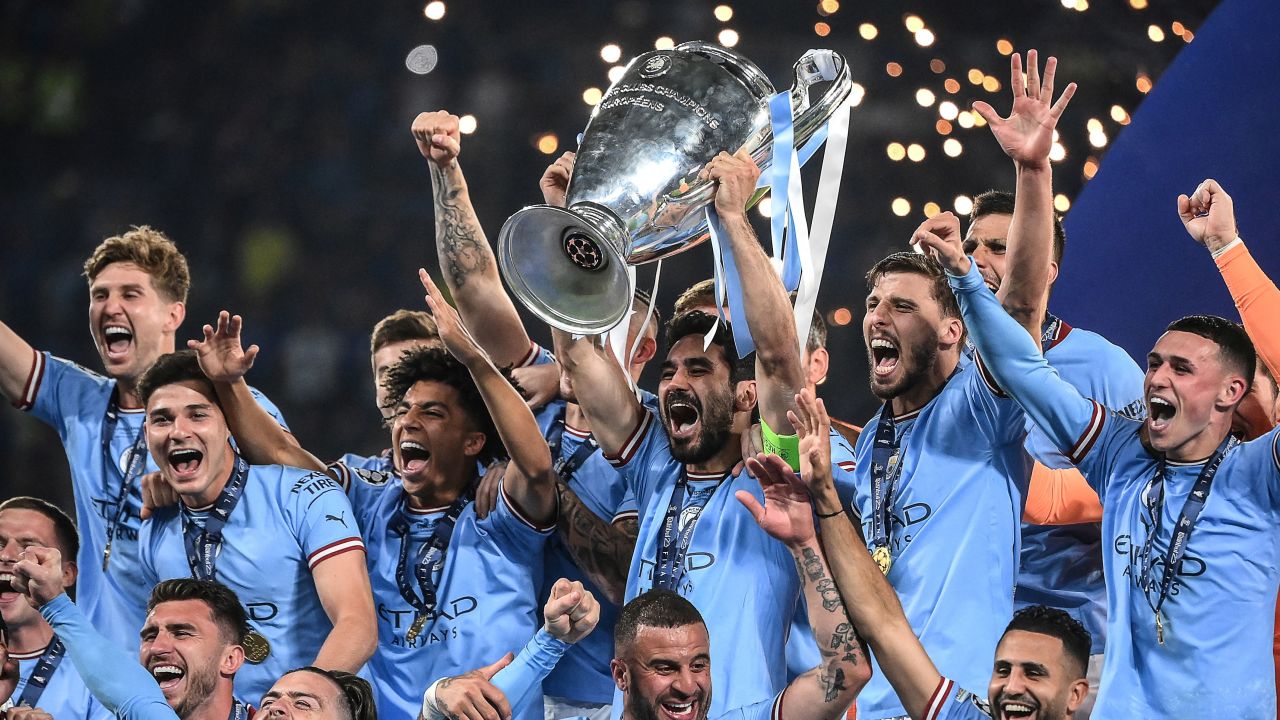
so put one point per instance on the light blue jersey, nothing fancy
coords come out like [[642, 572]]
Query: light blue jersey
[[74, 401], [742, 581], [1216, 660], [486, 591], [952, 702], [956, 513], [583, 673], [1061, 565], [287, 522], [65, 697]]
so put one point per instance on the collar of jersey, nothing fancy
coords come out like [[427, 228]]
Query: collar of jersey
[[692, 476], [29, 655]]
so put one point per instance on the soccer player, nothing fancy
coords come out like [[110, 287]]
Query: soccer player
[[1189, 512], [449, 587], [138, 285], [282, 538], [921, 479], [191, 651], [663, 657], [679, 466], [1039, 667], [597, 526], [45, 681]]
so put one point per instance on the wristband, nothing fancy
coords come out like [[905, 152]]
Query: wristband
[[1222, 250], [786, 447], [429, 708], [828, 516]]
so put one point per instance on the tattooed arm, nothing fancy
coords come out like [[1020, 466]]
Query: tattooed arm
[[826, 691], [600, 549], [466, 261], [870, 600]]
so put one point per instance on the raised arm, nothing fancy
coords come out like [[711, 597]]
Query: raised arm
[[1209, 217], [532, 489], [17, 359], [612, 409], [117, 680], [871, 603], [779, 374], [1012, 356], [599, 548], [258, 436], [1026, 136], [342, 583], [466, 260], [826, 691]]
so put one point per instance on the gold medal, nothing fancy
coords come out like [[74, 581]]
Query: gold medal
[[415, 629], [256, 647], [883, 558]]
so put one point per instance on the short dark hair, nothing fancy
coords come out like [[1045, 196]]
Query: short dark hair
[[656, 608], [354, 692], [703, 293], [221, 600], [63, 526], [917, 264], [1235, 349], [699, 323], [170, 368], [421, 364], [1076, 641], [403, 325], [998, 202], [640, 301]]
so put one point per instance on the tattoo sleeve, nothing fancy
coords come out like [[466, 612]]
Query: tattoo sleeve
[[601, 549], [844, 669], [460, 242]]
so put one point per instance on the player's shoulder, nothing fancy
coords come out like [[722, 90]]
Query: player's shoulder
[[952, 702], [291, 485], [1089, 345]]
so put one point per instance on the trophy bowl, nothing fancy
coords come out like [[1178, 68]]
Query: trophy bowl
[[634, 195]]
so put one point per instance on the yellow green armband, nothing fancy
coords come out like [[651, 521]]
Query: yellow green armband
[[786, 447]]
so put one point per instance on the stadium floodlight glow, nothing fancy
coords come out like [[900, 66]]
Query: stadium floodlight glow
[[434, 10]]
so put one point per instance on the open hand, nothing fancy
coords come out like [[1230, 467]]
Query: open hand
[[1027, 134], [787, 513], [457, 339], [1209, 215], [221, 357]]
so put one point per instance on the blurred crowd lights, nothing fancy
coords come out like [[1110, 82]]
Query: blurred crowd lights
[[611, 53], [925, 37], [828, 7], [841, 316], [896, 151], [547, 143], [723, 13], [913, 22], [616, 72], [915, 152], [948, 110], [1004, 47], [868, 31], [1156, 33], [924, 97], [664, 43], [434, 10], [930, 209], [952, 147], [728, 37], [1061, 203], [467, 124], [1077, 5], [592, 95], [963, 204], [1119, 115], [821, 29], [900, 207], [893, 69]]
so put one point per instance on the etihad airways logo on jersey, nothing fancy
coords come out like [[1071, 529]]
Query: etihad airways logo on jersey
[[397, 621], [903, 524], [693, 562], [1189, 566]]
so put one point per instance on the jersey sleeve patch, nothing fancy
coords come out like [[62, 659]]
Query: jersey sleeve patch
[[334, 549], [628, 450], [29, 389], [1092, 430]]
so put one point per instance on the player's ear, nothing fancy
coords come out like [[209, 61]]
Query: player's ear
[[70, 571], [1234, 389], [951, 332], [177, 312], [1053, 273], [473, 443], [744, 396], [1079, 691], [231, 661], [645, 351], [619, 672], [817, 365]]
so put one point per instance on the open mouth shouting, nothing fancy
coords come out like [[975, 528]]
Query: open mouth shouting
[[168, 675], [185, 462], [1160, 413], [884, 357], [683, 415], [413, 457], [7, 592], [687, 710], [116, 341]]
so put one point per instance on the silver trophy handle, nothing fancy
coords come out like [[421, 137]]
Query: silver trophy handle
[[813, 67]]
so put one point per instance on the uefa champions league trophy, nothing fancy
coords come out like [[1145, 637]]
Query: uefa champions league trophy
[[634, 195]]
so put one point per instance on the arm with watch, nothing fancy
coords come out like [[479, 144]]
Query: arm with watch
[[1209, 217]]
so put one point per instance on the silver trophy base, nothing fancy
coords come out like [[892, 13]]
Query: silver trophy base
[[567, 266]]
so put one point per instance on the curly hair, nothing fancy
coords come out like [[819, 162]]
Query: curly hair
[[150, 250], [423, 364]]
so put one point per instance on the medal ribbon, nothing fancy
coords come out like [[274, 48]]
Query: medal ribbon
[[1153, 498], [432, 552], [239, 711], [137, 456], [565, 467], [43, 672], [675, 540], [884, 478], [205, 543]]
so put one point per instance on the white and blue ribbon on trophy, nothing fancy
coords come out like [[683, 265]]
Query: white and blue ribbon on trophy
[[799, 252]]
